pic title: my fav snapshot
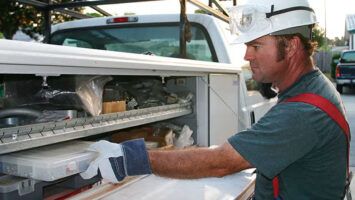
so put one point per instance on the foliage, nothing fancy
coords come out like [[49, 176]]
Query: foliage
[[17, 16], [335, 59], [338, 41], [94, 14], [1, 35], [318, 36]]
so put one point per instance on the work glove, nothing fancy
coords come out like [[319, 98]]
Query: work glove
[[116, 161]]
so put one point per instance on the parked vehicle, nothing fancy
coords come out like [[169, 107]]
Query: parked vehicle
[[158, 35], [345, 70], [105, 63]]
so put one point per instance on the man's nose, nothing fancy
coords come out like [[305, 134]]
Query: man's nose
[[248, 54]]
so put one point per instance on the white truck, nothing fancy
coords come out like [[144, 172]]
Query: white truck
[[52, 95], [210, 40]]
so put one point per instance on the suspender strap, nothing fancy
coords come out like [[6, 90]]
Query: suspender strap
[[328, 107], [332, 111], [275, 185]]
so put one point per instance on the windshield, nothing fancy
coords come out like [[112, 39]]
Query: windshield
[[348, 56], [160, 40]]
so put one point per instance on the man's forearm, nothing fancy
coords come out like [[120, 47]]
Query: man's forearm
[[197, 162]]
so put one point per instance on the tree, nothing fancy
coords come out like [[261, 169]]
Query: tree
[[338, 41], [17, 16], [318, 36]]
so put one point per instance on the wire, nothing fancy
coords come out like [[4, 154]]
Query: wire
[[225, 103]]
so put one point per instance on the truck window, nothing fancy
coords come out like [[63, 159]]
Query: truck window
[[348, 56], [160, 40]]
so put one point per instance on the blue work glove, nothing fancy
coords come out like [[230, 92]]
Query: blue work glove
[[116, 161]]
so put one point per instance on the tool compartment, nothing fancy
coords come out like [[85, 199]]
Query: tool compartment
[[56, 94]]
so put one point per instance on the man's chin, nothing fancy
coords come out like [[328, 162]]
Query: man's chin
[[256, 78]]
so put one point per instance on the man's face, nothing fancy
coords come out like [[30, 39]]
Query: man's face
[[262, 54]]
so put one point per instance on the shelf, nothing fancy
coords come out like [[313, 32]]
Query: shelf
[[35, 135]]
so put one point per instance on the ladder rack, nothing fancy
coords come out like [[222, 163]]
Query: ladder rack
[[48, 7]]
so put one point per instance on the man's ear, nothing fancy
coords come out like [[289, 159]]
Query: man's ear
[[293, 46]]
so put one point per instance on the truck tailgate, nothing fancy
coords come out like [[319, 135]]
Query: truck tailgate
[[235, 186], [347, 70]]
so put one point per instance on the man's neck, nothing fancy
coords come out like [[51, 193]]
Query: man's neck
[[295, 70]]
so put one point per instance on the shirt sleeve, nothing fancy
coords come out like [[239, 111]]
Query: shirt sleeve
[[278, 139]]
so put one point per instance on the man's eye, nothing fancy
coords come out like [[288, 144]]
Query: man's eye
[[256, 47]]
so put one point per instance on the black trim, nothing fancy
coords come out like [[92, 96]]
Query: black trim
[[272, 13], [252, 118]]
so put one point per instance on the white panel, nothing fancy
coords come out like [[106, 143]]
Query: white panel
[[224, 90], [202, 110], [73, 60]]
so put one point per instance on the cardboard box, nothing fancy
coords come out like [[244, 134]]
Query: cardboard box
[[161, 136], [113, 106]]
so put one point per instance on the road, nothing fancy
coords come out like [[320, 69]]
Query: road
[[349, 102]]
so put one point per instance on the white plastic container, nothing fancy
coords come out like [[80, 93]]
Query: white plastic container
[[48, 163], [13, 187]]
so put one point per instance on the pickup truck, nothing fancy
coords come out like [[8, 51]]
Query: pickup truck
[[158, 35], [55, 94], [345, 70]]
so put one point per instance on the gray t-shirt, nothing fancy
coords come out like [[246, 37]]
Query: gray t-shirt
[[299, 143]]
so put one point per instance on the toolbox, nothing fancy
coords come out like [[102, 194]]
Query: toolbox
[[48, 163]]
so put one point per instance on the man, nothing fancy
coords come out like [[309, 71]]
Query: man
[[296, 142]]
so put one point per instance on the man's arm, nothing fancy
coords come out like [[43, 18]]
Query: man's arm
[[197, 162]]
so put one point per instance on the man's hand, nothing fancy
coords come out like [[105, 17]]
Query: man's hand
[[116, 161]]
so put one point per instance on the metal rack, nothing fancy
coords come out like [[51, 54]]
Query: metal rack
[[50, 6], [35, 135]]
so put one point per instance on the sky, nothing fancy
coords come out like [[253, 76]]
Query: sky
[[330, 13]]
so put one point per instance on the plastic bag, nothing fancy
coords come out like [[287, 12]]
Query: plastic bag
[[186, 98], [90, 92], [184, 139], [34, 92]]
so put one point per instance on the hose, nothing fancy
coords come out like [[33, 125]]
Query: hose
[[25, 112]]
